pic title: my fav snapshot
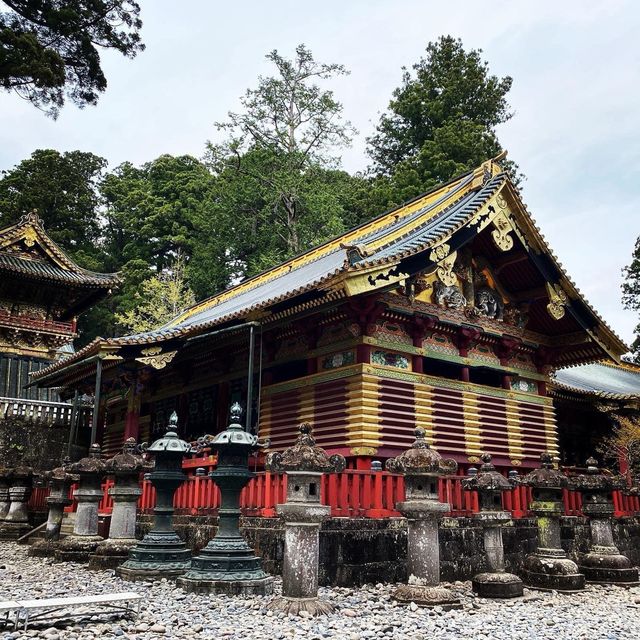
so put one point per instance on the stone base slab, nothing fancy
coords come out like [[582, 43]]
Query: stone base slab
[[111, 553], [77, 548], [608, 568], [44, 548], [555, 572], [13, 530], [293, 606], [261, 587], [150, 575], [497, 585], [427, 596]]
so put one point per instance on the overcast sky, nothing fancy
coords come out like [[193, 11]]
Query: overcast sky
[[576, 98]]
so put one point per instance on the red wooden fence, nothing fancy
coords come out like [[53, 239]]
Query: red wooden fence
[[350, 494]]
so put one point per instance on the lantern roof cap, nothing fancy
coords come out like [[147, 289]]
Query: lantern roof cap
[[235, 433], [92, 463], [487, 478], [171, 441], [305, 456], [545, 476], [420, 458]]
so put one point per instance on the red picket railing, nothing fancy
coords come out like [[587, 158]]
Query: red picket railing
[[353, 493]]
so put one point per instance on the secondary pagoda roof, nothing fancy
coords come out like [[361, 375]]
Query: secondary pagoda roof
[[384, 252], [26, 249], [601, 380]]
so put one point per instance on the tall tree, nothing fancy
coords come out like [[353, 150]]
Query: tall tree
[[440, 122], [279, 164], [631, 294], [63, 189], [49, 49], [159, 299]]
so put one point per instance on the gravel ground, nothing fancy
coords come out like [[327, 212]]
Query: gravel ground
[[370, 612]]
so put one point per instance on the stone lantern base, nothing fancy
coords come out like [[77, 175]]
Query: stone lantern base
[[111, 553], [44, 548], [161, 554], [13, 530], [293, 606], [497, 585], [602, 566], [227, 567], [259, 587], [77, 548], [427, 596], [552, 572]]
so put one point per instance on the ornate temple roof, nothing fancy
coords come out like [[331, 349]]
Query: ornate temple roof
[[419, 236], [601, 380], [26, 249]]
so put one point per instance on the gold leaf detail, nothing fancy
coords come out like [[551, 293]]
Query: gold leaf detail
[[557, 301], [440, 252], [445, 271], [502, 233], [159, 361]]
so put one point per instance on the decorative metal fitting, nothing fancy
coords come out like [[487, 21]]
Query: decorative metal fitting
[[305, 455], [420, 458]]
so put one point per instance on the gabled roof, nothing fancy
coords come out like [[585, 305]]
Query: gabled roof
[[27, 250], [416, 237], [601, 380]]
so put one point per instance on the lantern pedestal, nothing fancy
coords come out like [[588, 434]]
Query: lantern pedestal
[[423, 556], [16, 522], [604, 564], [161, 553], [495, 583], [549, 568], [228, 564], [126, 468], [59, 482]]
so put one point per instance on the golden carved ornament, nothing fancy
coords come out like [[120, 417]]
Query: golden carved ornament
[[445, 271], [363, 451], [30, 237], [152, 351], [502, 233], [158, 361], [440, 252], [557, 301]]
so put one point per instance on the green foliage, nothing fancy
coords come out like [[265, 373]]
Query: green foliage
[[440, 122], [49, 49], [278, 186], [631, 294], [159, 299], [63, 189]]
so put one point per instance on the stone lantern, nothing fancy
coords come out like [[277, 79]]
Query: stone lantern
[[490, 485], [228, 564], [304, 463], [83, 541], [59, 481], [549, 567], [161, 553], [126, 467], [5, 482], [421, 467], [16, 522], [604, 563]]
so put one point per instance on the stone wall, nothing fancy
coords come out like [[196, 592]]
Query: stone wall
[[355, 551]]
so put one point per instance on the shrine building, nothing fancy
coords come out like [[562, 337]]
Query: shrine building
[[449, 313], [42, 293]]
